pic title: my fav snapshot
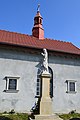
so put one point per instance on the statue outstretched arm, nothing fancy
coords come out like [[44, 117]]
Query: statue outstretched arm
[[42, 54]]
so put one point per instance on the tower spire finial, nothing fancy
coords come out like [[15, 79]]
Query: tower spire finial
[[38, 8], [37, 30]]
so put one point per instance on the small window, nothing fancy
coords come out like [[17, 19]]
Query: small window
[[11, 84], [40, 21], [36, 20], [71, 86]]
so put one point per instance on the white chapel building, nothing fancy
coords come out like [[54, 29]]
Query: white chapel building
[[21, 66]]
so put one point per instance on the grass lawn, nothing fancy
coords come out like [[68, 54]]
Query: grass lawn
[[73, 116], [24, 116], [17, 116]]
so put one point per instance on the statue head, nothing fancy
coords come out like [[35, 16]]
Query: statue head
[[44, 50]]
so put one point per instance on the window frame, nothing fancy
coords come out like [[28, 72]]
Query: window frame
[[8, 78], [38, 86], [69, 86]]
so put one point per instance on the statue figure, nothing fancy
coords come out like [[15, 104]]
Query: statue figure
[[45, 60]]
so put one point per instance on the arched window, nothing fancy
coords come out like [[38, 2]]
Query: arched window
[[36, 20], [51, 82], [40, 21]]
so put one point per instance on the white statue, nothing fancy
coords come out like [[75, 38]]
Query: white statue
[[45, 61]]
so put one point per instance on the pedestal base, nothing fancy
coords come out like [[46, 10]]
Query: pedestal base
[[47, 117], [46, 106]]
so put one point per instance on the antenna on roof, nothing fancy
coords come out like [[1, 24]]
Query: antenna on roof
[[38, 8]]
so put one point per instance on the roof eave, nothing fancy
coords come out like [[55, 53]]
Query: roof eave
[[39, 48]]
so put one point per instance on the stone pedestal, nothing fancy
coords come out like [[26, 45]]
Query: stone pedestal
[[46, 103], [47, 117], [43, 117]]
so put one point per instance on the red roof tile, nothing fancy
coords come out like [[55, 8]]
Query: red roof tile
[[24, 40]]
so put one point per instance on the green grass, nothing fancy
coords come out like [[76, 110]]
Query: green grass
[[24, 116], [73, 116], [17, 116]]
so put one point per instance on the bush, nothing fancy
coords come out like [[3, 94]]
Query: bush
[[70, 116], [17, 116]]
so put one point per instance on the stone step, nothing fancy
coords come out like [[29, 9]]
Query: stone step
[[47, 117]]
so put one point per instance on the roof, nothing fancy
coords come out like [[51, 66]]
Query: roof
[[24, 40]]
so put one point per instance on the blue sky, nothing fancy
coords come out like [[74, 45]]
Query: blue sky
[[61, 18]]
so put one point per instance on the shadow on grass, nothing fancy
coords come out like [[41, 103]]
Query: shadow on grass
[[75, 119], [4, 118]]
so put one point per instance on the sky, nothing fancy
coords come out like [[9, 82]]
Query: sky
[[61, 18]]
